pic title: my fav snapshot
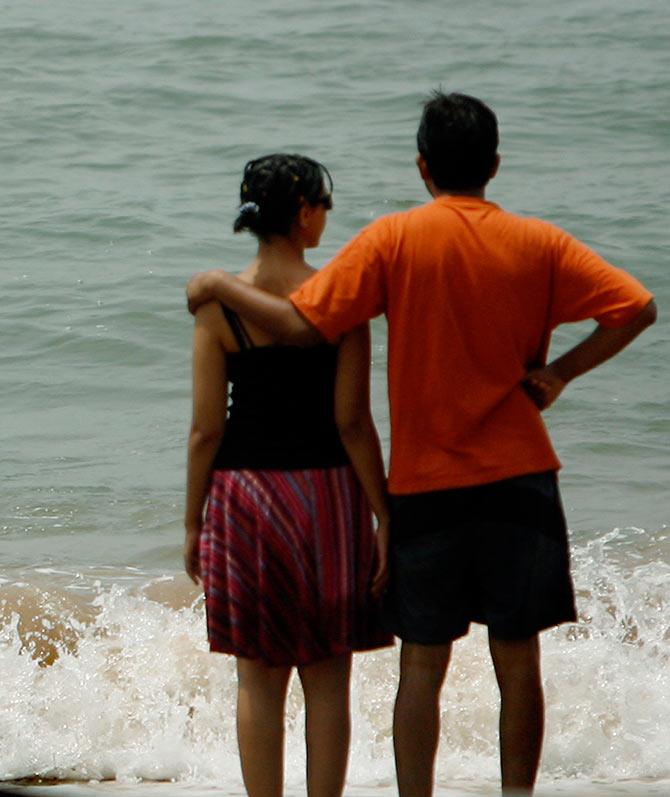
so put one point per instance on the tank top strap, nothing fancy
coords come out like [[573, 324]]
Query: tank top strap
[[241, 335]]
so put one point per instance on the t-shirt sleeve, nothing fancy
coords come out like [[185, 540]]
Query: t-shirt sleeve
[[351, 288], [585, 285]]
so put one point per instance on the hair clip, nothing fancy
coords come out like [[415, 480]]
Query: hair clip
[[250, 207]]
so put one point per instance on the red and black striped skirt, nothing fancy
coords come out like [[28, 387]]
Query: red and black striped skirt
[[287, 559]]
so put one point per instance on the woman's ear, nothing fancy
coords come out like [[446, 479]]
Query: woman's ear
[[305, 215]]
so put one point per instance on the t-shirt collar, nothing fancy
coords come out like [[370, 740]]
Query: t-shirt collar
[[462, 200]]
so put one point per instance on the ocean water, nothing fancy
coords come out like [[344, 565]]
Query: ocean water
[[123, 133]]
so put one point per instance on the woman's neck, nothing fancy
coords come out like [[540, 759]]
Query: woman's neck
[[279, 265], [280, 252]]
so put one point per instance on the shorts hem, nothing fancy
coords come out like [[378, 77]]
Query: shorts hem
[[499, 631], [507, 632], [430, 639]]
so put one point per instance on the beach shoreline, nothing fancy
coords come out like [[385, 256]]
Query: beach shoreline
[[49, 787]]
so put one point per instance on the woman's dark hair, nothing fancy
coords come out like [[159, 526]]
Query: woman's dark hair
[[458, 139], [273, 189]]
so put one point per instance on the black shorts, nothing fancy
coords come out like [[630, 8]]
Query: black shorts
[[495, 554]]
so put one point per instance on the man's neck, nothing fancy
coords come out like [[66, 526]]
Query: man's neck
[[478, 193]]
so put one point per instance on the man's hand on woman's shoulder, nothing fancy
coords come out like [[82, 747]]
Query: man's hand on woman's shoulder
[[201, 288]]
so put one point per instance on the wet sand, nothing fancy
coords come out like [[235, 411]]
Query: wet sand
[[568, 788]]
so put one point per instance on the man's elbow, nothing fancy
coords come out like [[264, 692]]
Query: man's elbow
[[648, 315], [297, 330], [307, 336], [645, 318]]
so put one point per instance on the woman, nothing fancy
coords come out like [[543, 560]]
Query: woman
[[286, 553]]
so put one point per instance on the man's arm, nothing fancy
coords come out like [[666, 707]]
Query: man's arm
[[276, 315], [347, 292], [544, 385]]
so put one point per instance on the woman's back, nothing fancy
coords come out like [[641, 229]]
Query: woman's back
[[281, 411]]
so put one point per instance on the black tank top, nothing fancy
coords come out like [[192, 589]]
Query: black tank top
[[281, 413]]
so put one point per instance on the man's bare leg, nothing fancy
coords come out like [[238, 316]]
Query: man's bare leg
[[327, 724], [517, 666], [416, 720], [261, 698]]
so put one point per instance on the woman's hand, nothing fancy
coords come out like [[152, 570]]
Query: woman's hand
[[192, 553], [381, 576]]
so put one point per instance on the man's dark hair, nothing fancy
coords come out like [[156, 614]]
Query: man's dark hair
[[458, 139]]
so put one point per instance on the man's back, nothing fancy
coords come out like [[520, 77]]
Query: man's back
[[471, 293]]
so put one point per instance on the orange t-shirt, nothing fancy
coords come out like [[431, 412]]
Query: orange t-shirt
[[471, 293]]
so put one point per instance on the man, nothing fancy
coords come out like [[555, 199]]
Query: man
[[472, 294]]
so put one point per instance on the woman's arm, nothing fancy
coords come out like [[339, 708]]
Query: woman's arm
[[359, 435], [210, 395]]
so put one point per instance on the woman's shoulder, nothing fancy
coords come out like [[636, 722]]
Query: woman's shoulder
[[212, 316]]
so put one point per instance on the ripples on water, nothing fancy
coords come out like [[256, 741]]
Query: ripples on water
[[123, 134]]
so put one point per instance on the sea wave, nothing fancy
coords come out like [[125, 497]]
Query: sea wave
[[111, 678]]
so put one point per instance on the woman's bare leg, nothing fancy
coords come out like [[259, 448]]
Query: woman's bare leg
[[261, 698], [327, 724]]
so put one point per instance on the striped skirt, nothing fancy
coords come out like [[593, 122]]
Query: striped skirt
[[287, 559]]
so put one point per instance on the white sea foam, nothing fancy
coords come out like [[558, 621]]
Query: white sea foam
[[133, 692]]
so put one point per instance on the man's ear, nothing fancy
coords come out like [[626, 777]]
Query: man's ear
[[495, 167], [423, 168]]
